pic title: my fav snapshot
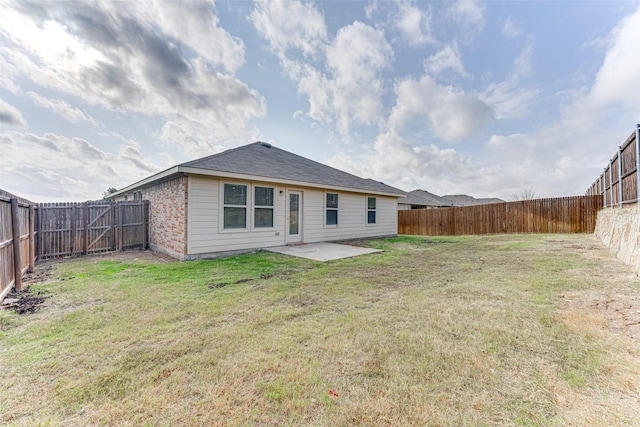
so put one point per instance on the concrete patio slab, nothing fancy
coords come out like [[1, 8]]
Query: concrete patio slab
[[322, 251]]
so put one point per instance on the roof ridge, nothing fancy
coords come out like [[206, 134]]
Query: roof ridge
[[210, 156], [263, 160]]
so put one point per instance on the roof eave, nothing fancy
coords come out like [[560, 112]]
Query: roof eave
[[234, 175], [160, 176], [178, 170]]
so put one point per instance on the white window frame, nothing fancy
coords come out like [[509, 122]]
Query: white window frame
[[255, 206], [326, 209], [374, 210], [247, 207]]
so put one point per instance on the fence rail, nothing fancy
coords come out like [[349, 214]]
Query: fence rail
[[30, 231], [558, 215], [619, 183]]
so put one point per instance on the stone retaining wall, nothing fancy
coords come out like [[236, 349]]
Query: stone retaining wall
[[619, 230]]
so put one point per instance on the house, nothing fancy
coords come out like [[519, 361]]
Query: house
[[421, 199], [259, 196], [465, 200]]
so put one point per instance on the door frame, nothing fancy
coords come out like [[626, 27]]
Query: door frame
[[294, 238]]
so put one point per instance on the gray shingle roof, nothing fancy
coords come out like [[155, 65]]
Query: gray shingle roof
[[466, 200], [424, 198], [263, 160]]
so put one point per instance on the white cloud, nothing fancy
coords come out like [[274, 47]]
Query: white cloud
[[75, 169], [451, 113], [566, 156], [134, 57], [617, 82], [501, 141], [396, 162], [522, 64], [508, 100], [61, 108], [448, 58], [315, 86], [342, 77], [290, 24], [195, 24], [10, 115], [469, 16], [512, 98], [414, 24], [511, 28], [357, 56]]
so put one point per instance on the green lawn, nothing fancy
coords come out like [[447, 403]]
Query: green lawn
[[470, 331]]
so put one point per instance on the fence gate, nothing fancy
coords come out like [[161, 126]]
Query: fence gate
[[67, 229]]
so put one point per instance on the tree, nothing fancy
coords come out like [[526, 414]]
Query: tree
[[108, 192], [524, 194]]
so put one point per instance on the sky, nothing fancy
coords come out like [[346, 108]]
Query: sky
[[454, 97]]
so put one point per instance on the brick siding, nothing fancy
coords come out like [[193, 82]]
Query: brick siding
[[167, 216]]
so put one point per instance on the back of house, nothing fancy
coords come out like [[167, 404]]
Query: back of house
[[257, 196]]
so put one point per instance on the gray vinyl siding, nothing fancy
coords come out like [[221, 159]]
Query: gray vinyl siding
[[204, 230], [352, 217], [204, 216]]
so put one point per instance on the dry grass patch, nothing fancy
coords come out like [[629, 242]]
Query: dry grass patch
[[440, 331]]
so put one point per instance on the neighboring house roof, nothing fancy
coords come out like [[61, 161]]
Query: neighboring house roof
[[261, 160], [424, 198], [466, 200]]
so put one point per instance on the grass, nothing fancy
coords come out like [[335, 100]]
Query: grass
[[434, 331]]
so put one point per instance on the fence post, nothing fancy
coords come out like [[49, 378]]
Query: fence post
[[32, 237], [611, 182], [638, 163], [146, 224], [85, 226], [620, 176], [120, 226], [40, 233], [604, 186], [15, 231], [73, 231], [113, 206]]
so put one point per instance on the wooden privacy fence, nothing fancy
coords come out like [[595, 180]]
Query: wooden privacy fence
[[558, 215], [17, 248], [619, 183], [51, 230], [67, 229]]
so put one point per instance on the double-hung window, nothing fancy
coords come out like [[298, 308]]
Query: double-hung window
[[371, 210], [263, 207], [331, 208], [235, 206]]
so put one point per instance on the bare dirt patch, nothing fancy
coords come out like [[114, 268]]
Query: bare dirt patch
[[24, 301], [619, 308], [616, 302], [28, 301], [133, 255]]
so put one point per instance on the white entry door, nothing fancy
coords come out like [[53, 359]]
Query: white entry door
[[294, 216]]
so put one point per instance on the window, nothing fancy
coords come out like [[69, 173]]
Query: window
[[331, 208], [263, 207], [371, 210], [235, 206]]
